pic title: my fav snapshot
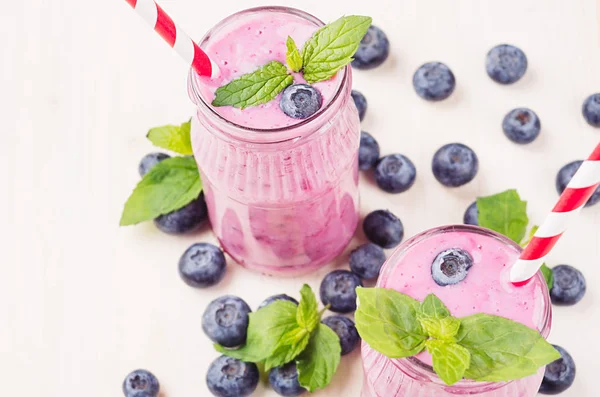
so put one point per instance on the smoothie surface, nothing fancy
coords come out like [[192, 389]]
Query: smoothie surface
[[247, 43]]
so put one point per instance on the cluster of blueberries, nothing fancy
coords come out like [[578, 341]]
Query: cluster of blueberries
[[225, 320]]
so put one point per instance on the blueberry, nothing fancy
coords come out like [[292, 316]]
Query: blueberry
[[591, 110], [559, 374], [395, 173], [149, 161], [373, 50], [434, 81], [202, 265], [368, 153], [506, 64], [568, 287], [300, 101], [454, 165], [361, 103], [185, 219], [451, 266], [366, 260], [471, 216], [284, 380], [338, 289], [521, 125], [230, 377], [280, 297], [345, 330], [383, 228], [140, 383], [564, 177], [225, 321]]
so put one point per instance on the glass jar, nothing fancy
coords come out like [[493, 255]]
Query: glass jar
[[281, 201], [411, 377]]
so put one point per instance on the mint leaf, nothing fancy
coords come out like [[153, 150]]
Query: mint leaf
[[293, 57], [319, 361], [387, 321], [450, 360], [172, 137], [288, 348], [307, 315], [332, 47], [436, 320], [548, 276], [504, 213], [254, 88], [268, 328], [501, 349], [168, 186]]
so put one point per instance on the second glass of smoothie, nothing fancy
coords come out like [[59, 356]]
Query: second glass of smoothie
[[485, 289], [282, 193]]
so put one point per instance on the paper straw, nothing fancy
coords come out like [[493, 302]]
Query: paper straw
[[175, 37], [578, 191]]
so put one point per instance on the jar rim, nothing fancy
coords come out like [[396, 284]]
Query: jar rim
[[240, 130], [418, 367]]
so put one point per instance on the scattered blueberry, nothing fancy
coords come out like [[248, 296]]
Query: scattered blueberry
[[149, 161], [451, 266], [300, 101], [564, 177], [345, 330], [338, 289], [366, 261], [361, 103], [368, 152], [521, 125], [591, 110], [471, 216], [395, 173], [185, 219], [230, 377], [506, 64], [434, 81], [373, 50], [383, 228], [225, 321], [140, 383], [202, 265], [455, 164], [280, 297], [559, 374], [569, 285], [284, 380]]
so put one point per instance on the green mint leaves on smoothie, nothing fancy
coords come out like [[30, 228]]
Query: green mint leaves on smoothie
[[481, 347], [292, 56], [323, 55], [175, 138], [504, 213], [282, 332], [332, 47], [168, 186], [256, 88]]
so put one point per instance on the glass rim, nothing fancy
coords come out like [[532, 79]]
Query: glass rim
[[193, 77], [424, 371]]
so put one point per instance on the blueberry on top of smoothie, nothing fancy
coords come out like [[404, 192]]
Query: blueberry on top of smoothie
[[506, 64], [300, 101], [451, 266]]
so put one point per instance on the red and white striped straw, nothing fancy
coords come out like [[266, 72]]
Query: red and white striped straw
[[578, 191], [175, 37]]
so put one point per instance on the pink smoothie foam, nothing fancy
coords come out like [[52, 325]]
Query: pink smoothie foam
[[486, 289], [256, 42], [282, 203]]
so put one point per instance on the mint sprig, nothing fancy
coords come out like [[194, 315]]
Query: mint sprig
[[482, 348], [323, 55], [168, 186], [175, 138], [282, 332]]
